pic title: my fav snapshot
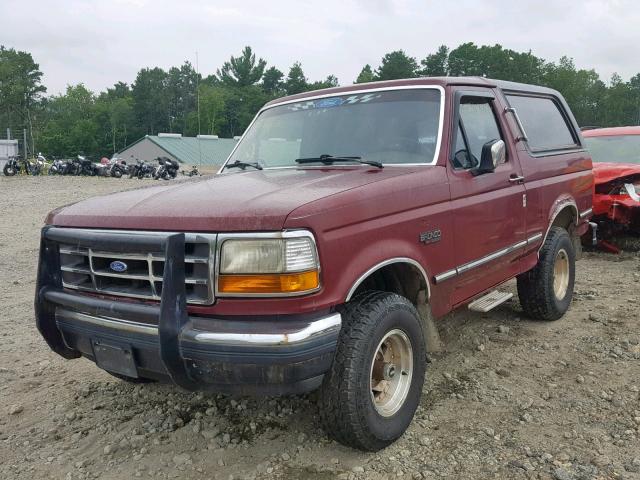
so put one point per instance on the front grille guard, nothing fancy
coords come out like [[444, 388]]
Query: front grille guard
[[171, 315]]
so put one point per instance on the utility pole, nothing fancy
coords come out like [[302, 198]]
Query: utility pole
[[198, 90], [198, 139], [24, 142], [8, 133]]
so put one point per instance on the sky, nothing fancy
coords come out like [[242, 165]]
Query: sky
[[99, 43]]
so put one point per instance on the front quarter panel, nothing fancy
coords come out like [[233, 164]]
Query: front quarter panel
[[367, 226]]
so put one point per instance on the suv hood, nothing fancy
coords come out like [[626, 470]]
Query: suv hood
[[244, 201]]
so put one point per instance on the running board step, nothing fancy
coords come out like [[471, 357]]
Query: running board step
[[490, 301]]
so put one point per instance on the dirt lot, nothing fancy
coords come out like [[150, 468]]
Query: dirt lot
[[510, 398]]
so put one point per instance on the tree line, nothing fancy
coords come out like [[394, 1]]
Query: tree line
[[181, 100]]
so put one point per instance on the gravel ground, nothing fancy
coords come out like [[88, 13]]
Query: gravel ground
[[511, 398]]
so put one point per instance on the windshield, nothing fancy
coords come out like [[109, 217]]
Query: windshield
[[616, 149], [390, 127]]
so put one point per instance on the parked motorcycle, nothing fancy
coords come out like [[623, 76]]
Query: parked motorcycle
[[85, 166], [15, 166], [12, 167], [58, 167], [39, 164], [146, 171], [134, 168], [72, 167], [118, 168], [194, 172], [102, 169], [76, 166], [167, 169]]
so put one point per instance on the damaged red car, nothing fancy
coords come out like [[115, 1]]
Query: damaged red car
[[616, 169]]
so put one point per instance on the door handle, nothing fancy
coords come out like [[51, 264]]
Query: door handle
[[516, 178]]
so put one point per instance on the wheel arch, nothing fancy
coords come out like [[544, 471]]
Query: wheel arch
[[564, 213], [399, 274]]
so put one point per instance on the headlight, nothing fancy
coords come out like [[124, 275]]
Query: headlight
[[268, 266]]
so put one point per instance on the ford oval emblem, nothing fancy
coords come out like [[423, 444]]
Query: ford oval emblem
[[118, 266]]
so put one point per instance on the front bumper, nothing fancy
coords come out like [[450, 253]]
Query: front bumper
[[269, 355]]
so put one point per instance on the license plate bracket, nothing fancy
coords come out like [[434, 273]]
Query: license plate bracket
[[115, 358]]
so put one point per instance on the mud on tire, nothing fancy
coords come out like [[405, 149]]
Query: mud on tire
[[546, 291], [350, 410]]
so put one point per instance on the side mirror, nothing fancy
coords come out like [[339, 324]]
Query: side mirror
[[493, 153]]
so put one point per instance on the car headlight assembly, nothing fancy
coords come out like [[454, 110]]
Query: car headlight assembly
[[268, 266]]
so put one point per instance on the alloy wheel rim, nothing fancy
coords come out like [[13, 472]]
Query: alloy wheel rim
[[391, 372], [561, 274]]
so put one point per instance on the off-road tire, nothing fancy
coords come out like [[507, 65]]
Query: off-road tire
[[347, 410], [117, 173], [535, 287], [9, 171]]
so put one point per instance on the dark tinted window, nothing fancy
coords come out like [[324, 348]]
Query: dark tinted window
[[544, 123], [479, 125]]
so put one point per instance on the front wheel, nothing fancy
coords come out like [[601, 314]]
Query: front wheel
[[546, 291], [370, 394], [9, 170]]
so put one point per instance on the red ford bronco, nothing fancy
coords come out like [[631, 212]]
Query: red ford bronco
[[344, 221]]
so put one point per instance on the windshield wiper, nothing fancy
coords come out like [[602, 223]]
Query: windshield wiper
[[243, 165], [329, 159]]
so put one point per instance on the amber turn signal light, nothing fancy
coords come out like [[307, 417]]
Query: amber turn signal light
[[280, 283]]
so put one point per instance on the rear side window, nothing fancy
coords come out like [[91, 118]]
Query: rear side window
[[544, 123]]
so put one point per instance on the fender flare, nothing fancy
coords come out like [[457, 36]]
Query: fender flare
[[559, 205], [384, 263]]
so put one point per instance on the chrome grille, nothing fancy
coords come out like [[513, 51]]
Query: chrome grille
[[87, 269]]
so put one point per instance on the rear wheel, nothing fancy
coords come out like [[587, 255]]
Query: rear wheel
[[546, 291], [369, 396]]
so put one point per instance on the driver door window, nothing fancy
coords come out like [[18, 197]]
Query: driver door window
[[477, 126]]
